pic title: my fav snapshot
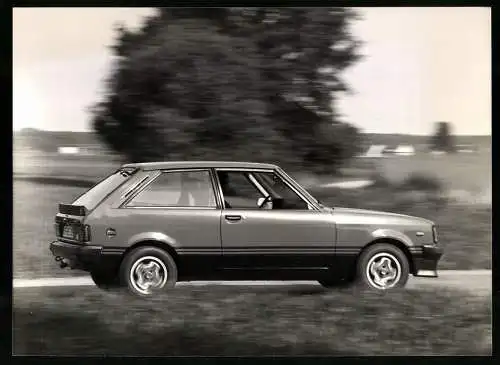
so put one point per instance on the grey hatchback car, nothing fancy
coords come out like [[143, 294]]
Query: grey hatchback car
[[149, 225]]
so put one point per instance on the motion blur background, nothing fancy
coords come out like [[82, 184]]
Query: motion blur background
[[375, 108], [418, 66]]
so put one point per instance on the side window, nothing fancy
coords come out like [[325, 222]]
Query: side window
[[288, 199], [177, 189], [238, 190]]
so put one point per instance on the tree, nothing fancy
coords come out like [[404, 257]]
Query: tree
[[442, 140], [223, 83]]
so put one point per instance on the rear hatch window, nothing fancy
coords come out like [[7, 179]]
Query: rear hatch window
[[101, 190]]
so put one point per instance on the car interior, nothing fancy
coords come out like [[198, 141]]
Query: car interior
[[240, 192], [196, 190]]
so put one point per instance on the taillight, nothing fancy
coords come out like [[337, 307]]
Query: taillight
[[86, 233]]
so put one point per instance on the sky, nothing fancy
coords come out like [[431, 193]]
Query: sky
[[420, 65]]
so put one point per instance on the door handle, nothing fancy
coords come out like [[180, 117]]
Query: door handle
[[233, 218]]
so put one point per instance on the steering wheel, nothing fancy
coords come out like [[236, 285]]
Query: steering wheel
[[266, 200]]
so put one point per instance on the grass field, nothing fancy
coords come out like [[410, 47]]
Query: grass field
[[251, 321], [465, 230], [467, 172], [53, 165], [239, 321], [35, 206]]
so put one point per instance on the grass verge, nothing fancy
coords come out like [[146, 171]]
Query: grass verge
[[218, 321]]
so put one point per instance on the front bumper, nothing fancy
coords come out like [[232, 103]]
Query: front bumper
[[84, 257], [426, 259]]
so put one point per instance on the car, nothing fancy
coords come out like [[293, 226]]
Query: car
[[150, 225]]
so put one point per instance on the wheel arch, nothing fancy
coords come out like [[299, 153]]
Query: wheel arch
[[154, 243], [391, 241]]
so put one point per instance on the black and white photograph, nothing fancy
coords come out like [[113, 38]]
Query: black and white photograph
[[252, 181]]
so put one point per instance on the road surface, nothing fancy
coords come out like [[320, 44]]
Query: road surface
[[474, 281]]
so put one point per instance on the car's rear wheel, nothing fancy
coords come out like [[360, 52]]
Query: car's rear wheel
[[382, 267], [147, 271]]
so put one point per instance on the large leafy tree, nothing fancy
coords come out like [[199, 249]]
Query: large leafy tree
[[224, 83]]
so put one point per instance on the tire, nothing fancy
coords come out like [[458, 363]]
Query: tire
[[105, 280], [148, 265], [373, 271]]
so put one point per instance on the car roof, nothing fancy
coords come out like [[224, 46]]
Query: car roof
[[161, 165]]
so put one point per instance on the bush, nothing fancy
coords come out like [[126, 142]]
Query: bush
[[379, 180], [416, 193], [422, 182], [420, 189]]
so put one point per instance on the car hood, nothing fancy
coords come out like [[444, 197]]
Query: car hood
[[378, 214]]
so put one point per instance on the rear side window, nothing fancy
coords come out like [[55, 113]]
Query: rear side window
[[177, 189], [99, 192]]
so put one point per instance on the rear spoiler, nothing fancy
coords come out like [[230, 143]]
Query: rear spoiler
[[78, 210]]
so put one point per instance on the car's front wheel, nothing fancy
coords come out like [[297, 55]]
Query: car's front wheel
[[383, 266], [146, 271]]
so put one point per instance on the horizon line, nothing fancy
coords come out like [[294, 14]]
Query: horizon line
[[361, 132]]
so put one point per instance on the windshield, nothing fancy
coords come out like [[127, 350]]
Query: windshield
[[101, 190]]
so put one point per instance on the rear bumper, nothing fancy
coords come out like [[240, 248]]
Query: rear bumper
[[85, 257], [426, 259]]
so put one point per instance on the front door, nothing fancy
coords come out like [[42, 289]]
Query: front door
[[284, 232]]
